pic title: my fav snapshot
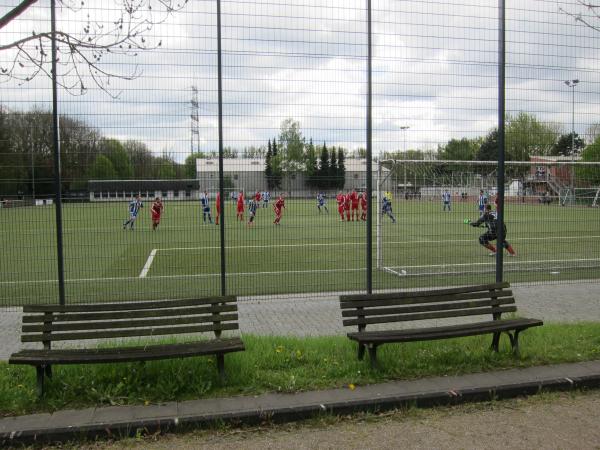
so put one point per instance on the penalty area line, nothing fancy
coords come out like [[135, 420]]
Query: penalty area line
[[146, 268]]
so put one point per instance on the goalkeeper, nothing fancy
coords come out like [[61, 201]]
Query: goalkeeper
[[490, 220]]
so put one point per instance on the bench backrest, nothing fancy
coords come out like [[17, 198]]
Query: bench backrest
[[364, 309], [46, 323]]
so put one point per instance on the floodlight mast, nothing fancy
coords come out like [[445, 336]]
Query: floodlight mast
[[572, 84]]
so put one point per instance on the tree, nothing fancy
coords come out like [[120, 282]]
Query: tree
[[269, 165], [459, 150], [141, 159], [291, 145], [276, 171], [332, 178], [488, 151], [323, 172], [311, 166], [190, 165], [126, 29], [526, 136], [115, 151], [341, 169], [166, 168], [102, 169], [590, 174], [563, 146]]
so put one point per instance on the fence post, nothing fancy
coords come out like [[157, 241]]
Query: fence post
[[57, 169], [501, 140], [369, 158], [221, 189]]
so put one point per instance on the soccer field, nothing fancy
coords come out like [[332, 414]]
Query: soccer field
[[308, 253]]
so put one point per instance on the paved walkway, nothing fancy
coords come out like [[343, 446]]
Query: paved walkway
[[126, 420], [320, 315]]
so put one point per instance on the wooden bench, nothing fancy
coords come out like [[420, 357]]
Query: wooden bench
[[74, 323], [487, 299]]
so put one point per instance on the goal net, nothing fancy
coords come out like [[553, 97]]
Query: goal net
[[551, 214]]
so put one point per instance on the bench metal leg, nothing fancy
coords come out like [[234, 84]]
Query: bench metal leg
[[372, 355], [48, 371], [495, 342], [221, 366], [514, 342], [40, 380], [361, 351]]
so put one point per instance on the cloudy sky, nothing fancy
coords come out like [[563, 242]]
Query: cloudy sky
[[434, 71]]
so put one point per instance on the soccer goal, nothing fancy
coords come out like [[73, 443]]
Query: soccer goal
[[548, 211]]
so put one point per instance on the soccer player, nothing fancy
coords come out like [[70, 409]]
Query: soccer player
[[354, 204], [257, 197], [266, 198], [321, 202], [252, 211], [490, 220], [386, 208], [482, 201], [134, 208], [205, 202], [240, 206], [347, 205], [340, 199], [446, 197], [218, 205], [363, 205], [278, 207], [156, 212]]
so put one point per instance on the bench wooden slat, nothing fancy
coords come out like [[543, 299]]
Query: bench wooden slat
[[426, 307], [433, 333], [413, 294], [430, 315], [125, 324], [135, 314], [126, 354], [128, 333], [370, 301], [129, 306]]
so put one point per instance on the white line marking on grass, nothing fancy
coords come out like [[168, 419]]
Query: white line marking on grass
[[331, 244], [283, 272], [146, 268]]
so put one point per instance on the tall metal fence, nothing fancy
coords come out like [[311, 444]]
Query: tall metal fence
[[294, 147]]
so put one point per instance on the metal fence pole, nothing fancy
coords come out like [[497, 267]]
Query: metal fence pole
[[501, 140], [57, 169], [221, 189], [369, 158]]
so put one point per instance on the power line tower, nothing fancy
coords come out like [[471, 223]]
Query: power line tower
[[194, 124]]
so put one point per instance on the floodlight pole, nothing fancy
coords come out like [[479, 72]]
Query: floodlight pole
[[572, 84], [221, 180], [404, 128]]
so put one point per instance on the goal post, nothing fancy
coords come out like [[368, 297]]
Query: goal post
[[417, 186]]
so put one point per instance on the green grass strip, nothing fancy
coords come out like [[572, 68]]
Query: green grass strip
[[287, 364]]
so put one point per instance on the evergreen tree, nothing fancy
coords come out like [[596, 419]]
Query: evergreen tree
[[323, 172], [268, 166], [341, 169], [333, 170], [311, 167], [277, 173], [562, 147]]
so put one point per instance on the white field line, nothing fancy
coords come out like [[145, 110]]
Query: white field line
[[331, 244], [146, 268], [308, 271]]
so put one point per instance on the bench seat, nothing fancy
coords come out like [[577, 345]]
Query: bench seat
[[126, 354], [445, 332]]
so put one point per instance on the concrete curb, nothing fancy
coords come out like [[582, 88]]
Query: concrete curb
[[123, 421]]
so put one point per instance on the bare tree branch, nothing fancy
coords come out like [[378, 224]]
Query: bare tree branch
[[81, 55]]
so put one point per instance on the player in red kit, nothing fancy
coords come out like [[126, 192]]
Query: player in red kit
[[218, 206], [347, 204], [156, 212], [240, 206], [340, 203], [354, 204], [257, 197], [363, 206], [278, 206]]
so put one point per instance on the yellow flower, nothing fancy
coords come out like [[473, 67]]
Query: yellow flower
[[351, 387], [146, 402], [279, 348]]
